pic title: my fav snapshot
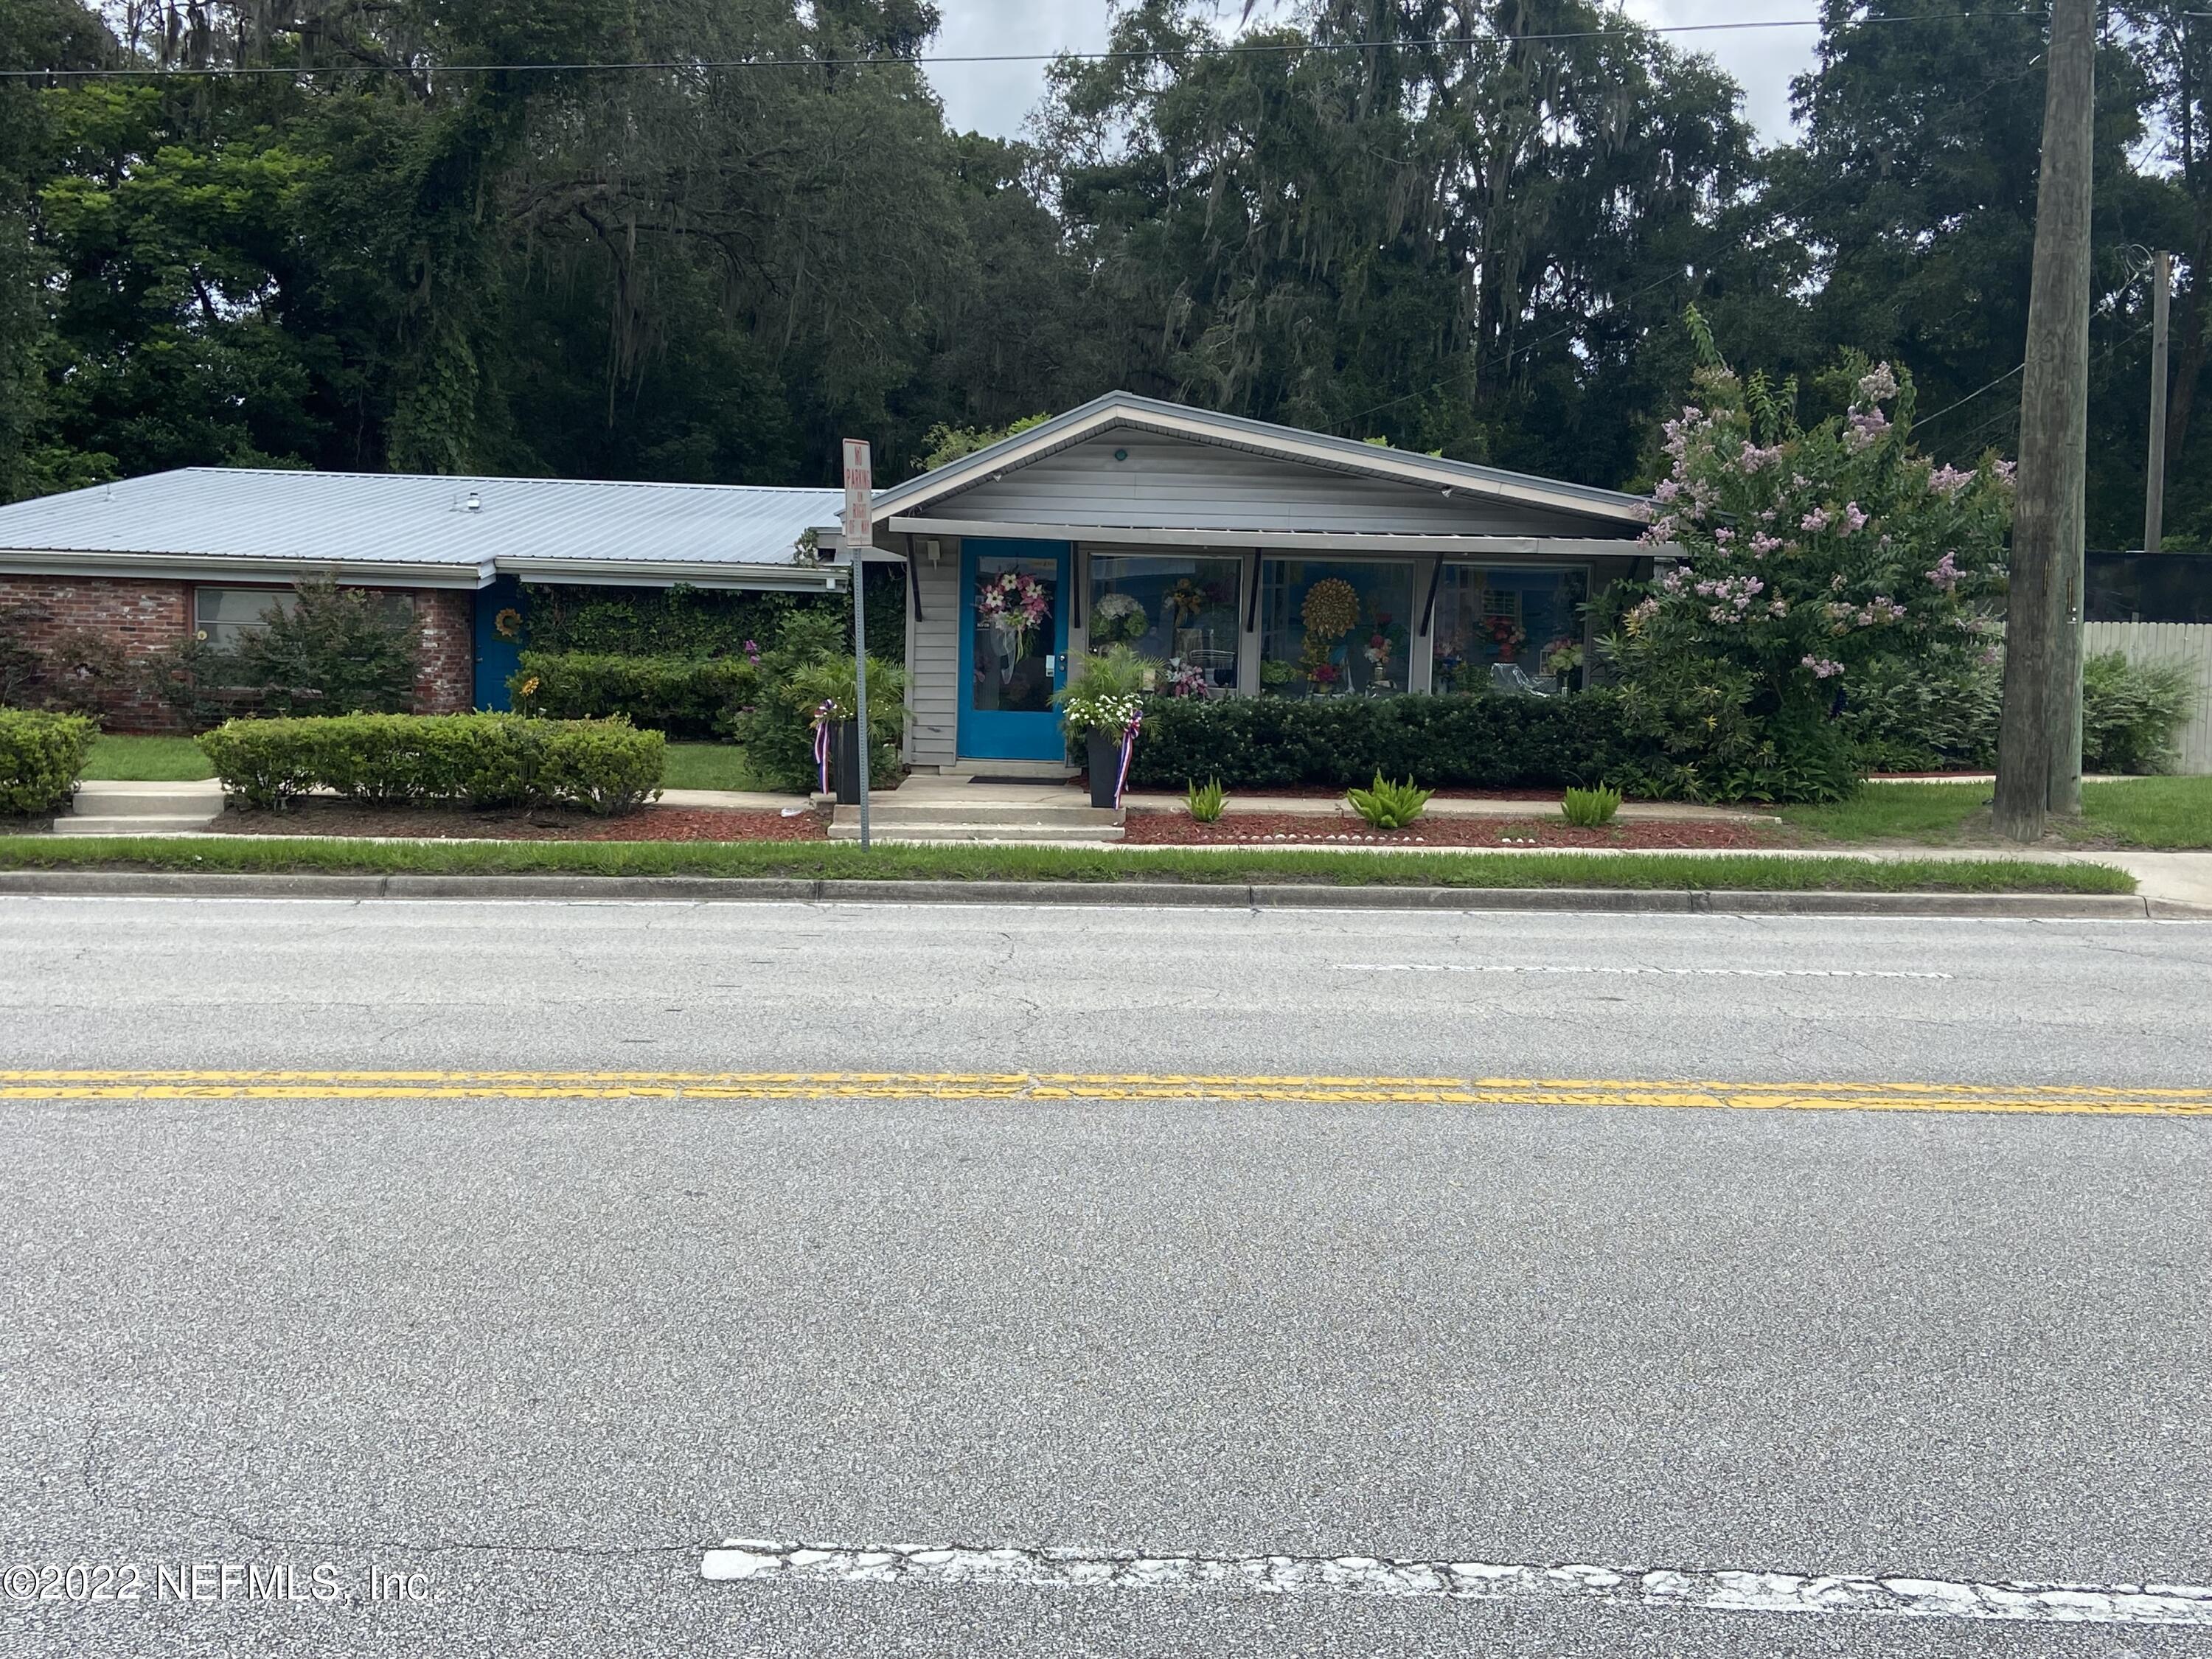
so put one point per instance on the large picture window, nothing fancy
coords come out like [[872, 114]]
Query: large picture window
[[1332, 628], [224, 616], [1181, 611], [1486, 617]]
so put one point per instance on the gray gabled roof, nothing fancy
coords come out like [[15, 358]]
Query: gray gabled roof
[[1125, 408], [474, 527]]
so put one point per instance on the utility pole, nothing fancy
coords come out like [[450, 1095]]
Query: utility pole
[[2161, 294], [2040, 740]]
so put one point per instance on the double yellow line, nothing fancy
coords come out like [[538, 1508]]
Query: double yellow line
[[1047, 1086]]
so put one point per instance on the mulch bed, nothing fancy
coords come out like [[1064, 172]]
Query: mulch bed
[[1157, 829], [337, 817]]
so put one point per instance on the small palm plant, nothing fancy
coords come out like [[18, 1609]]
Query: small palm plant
[[1206, 800], [1390, 805], [1589, 808]]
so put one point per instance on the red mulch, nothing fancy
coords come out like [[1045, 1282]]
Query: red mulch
[[1156, 829], [336, 818]]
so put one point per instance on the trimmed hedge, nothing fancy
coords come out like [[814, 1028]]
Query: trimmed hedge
[[1478, 741], [684, 696], [477, 760], [40, 755]]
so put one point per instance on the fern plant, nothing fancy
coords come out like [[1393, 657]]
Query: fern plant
[[1589, 808], [1390, 805], [1206, 800]]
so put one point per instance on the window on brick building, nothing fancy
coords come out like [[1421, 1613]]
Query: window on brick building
[[223, 616]]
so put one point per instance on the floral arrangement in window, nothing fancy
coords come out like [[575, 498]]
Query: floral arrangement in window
[[1179, 678], [1563, 656], [1013, 604], [1331, 609], [1118, 617], [1506, 634], [1189, 598]]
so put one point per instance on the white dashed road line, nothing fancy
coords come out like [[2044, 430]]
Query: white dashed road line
[[763, 1561], [1680, 972]]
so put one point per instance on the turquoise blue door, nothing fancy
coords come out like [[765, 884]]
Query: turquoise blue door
[[1013, 648]]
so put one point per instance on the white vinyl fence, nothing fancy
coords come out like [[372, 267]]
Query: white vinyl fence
[[2187, 644]]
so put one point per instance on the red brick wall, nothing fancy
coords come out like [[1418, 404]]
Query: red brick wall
[[143, 616], [448, 684]]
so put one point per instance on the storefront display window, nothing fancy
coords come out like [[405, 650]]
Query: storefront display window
[[1529, 618], [1181, 612], [1334, 627]]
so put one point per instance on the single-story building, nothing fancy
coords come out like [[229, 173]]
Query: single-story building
[[1251, 559]]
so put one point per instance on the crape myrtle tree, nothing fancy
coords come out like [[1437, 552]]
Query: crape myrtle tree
[[1808, 555]]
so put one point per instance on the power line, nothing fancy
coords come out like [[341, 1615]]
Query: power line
[[1924, 419], [1219, 49]]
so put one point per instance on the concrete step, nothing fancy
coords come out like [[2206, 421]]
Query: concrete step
[[893, 811], [135, 824], [102, 798], [976, 769], [996, 830]]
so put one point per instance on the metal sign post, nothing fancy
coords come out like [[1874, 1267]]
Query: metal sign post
[[860, 532]]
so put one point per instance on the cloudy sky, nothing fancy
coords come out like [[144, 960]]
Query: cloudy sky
[[996, 97]]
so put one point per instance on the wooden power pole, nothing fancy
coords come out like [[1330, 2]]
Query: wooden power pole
[[2161, 299], [2040, 740]]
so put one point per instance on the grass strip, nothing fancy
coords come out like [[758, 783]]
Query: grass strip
[[837, 860]]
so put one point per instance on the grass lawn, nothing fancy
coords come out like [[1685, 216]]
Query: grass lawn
[[173, 760], [2172, 813], [837, 860], [1931, 812], [706, 766], [146, 760], [2149, 812]]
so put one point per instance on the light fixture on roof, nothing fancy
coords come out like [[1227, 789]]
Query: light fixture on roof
[[474, 504]]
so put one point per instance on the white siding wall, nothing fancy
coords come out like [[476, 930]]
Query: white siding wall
[[1172, 481], [933, 657], [2186, 644]]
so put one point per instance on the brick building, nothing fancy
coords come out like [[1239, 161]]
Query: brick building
[[118, 572]]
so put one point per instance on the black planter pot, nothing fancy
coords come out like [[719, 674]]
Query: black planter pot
[[1105, 763], [845, 752]]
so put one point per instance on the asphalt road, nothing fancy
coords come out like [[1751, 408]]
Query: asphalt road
[[543, 1352]]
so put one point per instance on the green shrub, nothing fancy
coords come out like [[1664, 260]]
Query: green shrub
[[1587, 809], [1103, 694], [475, 760], [40, 755], [2131, 713], [1205, 802], [811, 662], [1942, 714], [1479, 741], [701, 623], [1938, 713], [684, 696], [334, 650], [1390, 805], [607, 766]]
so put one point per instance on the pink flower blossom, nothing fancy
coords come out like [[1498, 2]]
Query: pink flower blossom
[[1947, 576], [1821, 666], [1948, 481], [1817, 520], [1854, 519]]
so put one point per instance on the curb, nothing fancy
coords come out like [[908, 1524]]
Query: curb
[[122, 884]]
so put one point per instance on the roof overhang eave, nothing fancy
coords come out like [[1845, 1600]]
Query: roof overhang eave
[[212, 567], [669, 572], [1291, 541]]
